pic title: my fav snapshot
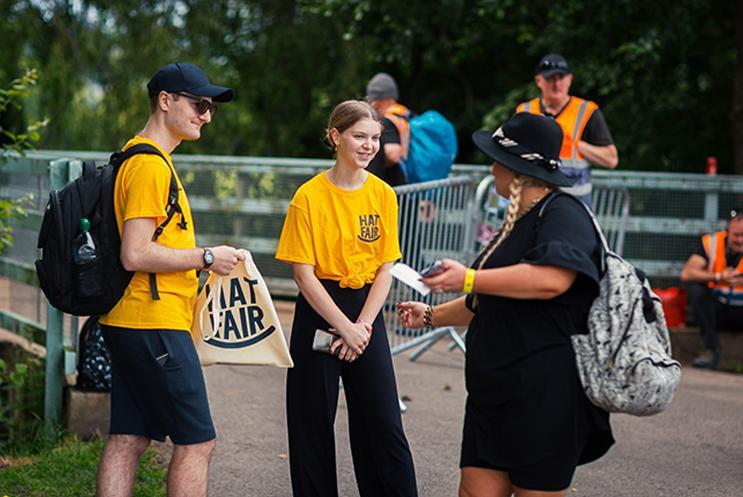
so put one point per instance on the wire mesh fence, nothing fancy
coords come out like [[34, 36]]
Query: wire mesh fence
[[435, 221], [242, 201]]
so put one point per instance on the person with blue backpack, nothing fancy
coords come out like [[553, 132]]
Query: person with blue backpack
[[382, 94], [414, 148]]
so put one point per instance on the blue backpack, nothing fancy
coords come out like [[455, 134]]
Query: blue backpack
[[432, 145]]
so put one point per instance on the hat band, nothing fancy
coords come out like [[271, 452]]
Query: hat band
[[514, 148]]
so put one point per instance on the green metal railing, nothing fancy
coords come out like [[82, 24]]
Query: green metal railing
[[58, 172], [242, 201]]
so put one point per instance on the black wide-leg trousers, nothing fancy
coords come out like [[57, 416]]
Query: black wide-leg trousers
[[382, 461]]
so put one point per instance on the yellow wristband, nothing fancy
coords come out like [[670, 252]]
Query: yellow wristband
[[469, 281]]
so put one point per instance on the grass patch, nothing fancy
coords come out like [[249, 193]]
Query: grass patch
[[69, 469], [732, 366]]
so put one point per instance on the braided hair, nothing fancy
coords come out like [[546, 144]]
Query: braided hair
[[515, 189], [515, 192]]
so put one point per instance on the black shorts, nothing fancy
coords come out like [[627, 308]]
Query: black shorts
[[157, 386]]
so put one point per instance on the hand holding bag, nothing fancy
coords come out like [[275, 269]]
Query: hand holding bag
[[235, 321]]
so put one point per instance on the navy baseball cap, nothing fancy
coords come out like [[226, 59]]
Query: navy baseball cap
[[187, 77], [552, 64]]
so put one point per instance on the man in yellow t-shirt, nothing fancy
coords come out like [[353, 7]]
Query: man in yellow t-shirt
[[157, 384]]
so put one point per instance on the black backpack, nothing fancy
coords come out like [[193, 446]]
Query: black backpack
[[91, 285], [94, 358]]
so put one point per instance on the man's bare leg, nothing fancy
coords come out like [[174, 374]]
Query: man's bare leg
[[188, 474], [118, 465]]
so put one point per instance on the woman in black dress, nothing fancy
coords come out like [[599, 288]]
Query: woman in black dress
[[528, 423]]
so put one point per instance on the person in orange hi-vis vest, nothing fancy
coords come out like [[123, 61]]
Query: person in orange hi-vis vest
[[587, 139], [715, 274], [382, 94]]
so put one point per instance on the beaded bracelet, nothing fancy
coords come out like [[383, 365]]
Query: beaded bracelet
[[427, 316]]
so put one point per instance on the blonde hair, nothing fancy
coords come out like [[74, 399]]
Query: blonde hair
[[345, 115]]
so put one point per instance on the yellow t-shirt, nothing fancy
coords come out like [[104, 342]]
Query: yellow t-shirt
[[141, 190], [346, 234]]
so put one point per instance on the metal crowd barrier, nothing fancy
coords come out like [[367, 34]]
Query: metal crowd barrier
[[449, 218], [436, 220], [242, 201], [611, 204]]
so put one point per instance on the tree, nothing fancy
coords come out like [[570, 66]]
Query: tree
[[737, 114], [660, 70], [12, 98]]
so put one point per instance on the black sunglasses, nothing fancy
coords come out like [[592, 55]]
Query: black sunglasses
[[202, 104]]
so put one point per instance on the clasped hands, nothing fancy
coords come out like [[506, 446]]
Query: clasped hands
[[352, 342]]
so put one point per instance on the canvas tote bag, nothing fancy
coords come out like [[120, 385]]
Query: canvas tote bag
[[235, 321]]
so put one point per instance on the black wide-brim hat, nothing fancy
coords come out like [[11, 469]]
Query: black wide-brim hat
[[527, 144]]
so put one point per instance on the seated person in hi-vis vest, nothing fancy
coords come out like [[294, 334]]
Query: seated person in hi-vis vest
[[715, 272], [586, 136]]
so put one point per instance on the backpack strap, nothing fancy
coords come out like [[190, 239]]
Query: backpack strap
[[89, 168], [605, 249], [400, 116], [171, 208], [88, 173]]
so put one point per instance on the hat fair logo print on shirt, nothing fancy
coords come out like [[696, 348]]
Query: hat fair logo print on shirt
[[369, 227], [242, 318]]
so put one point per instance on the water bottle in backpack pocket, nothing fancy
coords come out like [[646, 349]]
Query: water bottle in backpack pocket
[[87, 264], [80, 269]]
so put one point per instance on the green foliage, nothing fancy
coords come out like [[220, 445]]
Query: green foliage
[[18, 90], [225, 183], [660, 70], [11, 99], [21, 402], [10, 210], [69, 470]]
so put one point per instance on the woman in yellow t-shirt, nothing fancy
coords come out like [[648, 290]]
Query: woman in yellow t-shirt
[[340, 235]]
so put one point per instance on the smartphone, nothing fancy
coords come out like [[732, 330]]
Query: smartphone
[[323, 340], [432, 270]]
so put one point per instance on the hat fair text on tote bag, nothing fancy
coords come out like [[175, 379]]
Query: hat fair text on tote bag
[[235, 321]]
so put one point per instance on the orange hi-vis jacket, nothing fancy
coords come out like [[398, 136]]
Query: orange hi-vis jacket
[[572, 119], [398, 114], [714, 246]]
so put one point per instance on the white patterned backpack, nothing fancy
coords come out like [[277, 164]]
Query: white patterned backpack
[[624, 362]]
